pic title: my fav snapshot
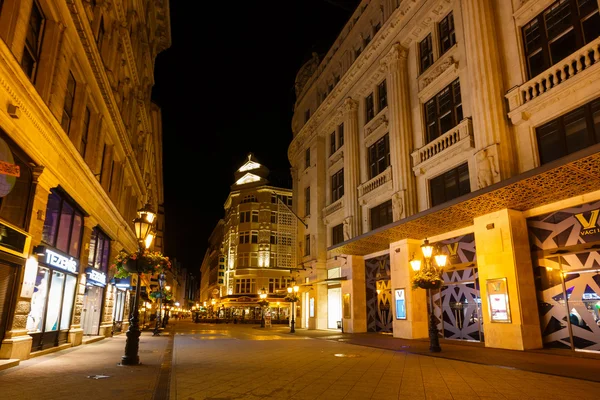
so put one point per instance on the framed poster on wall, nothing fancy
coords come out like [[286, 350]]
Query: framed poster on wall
[[346, 306], [400, 303], [498, 301], [311, 307]]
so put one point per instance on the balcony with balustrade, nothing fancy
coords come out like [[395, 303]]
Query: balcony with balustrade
[[577, 70], [456, 140], [379, 183]]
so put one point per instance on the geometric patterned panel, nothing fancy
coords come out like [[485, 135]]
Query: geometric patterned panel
[[577, 304], [558, 180], [460, 249], [379, 294], [567, 227], [459, 304]]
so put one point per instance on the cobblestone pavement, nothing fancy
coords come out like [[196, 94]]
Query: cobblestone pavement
[[231, 362]]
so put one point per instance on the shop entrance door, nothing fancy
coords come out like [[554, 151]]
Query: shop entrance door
[[90, 314], [569, 300], [459, 304], [7, 283]]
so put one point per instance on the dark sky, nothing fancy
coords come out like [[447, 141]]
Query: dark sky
[[226, 88]]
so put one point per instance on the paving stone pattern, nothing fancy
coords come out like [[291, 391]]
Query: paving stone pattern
[[237, 362]]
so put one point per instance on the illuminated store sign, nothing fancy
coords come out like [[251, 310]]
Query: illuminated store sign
[[400, 304], [95, 276], [60, 261]]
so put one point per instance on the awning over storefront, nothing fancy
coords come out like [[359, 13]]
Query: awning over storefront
[[573, 175], [324, 281]]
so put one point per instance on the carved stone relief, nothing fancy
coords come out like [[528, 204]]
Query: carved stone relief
[[487, 168]]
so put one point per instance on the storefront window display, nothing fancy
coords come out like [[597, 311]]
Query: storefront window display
[[54, 292]]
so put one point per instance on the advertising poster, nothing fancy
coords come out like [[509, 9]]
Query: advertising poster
[[498, 300], [400, 304]]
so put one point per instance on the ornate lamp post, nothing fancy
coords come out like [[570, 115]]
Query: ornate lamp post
[[435, 269], [161, 282], [263, 296], [293, 294], [142, 226]]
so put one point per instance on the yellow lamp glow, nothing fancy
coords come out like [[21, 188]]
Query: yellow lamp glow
[[440, 260], [149, 239], [415, 264], [427, 249], [289, 289], [167, 288]]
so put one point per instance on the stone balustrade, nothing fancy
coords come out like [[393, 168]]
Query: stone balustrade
[[333, 207], [565, 69], [372, 184], [462, 131]]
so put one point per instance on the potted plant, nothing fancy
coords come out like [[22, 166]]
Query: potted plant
[[427, 278], [292, 297], [166, 295], [144, 262]]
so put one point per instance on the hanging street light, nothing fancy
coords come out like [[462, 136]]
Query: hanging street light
[[434, 266], [293, 294], [142, 227], [263, 296]]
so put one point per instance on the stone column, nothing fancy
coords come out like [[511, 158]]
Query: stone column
[[416, 323], [351, 170], [404, 198], [502, 247], [353, 291], [492, 137], [17, 343]]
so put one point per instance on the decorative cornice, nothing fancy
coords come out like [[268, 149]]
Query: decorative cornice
[[438, 68], [350, 105]]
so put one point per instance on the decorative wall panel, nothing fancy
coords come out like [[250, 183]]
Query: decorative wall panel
[[379, 304]]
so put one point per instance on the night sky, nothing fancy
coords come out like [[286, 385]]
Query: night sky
[[226, 88]]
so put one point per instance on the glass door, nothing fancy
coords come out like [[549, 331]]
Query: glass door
[[569, 301], [334, 307], [461, 311]]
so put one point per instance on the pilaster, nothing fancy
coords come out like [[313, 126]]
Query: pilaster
[[354, 293], [351, 169], [416, 324], [400, 133], [492, 136], [503, 252]]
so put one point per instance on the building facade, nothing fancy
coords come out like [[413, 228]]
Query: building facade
[[81, 152], [474, 124], [251, 248]]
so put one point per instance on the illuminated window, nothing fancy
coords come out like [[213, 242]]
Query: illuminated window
[[63, 225], [99, 250], [254, 216]]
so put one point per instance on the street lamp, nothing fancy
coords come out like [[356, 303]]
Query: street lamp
[[263, 296], [142, 227], [293, 293], [434, 266], [161, 282]]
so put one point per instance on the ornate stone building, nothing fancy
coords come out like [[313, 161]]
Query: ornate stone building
[[251, 248], [80, 152], [474, 124]]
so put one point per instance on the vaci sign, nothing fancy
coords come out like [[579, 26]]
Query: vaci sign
[[589, 225], [60, 261], [95, 276]]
